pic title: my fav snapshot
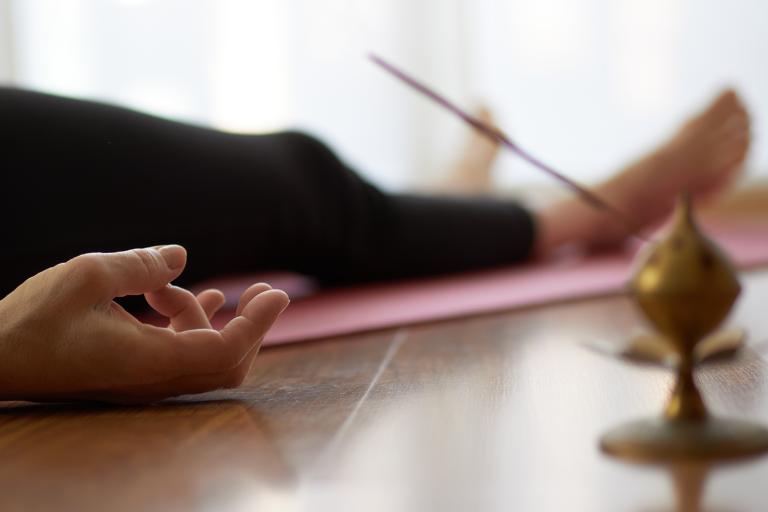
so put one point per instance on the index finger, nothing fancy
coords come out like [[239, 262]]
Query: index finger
[[180, 306]]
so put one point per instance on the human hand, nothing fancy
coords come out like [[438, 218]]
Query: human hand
[[62, 336]]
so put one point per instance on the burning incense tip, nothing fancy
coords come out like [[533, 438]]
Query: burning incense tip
[[499, 136]]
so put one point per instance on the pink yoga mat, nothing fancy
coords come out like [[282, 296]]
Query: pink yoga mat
[[317, 313]]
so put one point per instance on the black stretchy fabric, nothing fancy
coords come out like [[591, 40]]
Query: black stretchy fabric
[[81, 176]]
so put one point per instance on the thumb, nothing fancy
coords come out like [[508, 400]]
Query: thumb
[[108, 275]]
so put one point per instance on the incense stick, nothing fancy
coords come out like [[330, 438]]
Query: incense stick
[[501, 138]]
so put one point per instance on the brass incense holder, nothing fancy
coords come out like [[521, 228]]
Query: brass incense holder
[[686, 287]]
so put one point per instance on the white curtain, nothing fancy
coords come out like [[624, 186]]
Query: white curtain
[[584, 84], [6, 40]]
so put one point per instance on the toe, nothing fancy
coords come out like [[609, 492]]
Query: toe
[[724, 106], [731, 153], [735, 127]]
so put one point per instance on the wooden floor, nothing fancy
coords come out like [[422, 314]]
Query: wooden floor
[[500, 412]]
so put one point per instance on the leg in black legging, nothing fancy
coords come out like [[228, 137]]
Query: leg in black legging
[[80, 176]]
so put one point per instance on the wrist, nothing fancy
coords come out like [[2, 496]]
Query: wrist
[[8, 340], [5, 321]]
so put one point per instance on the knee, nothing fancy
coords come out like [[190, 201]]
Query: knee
[[318, 167], [309, 147]]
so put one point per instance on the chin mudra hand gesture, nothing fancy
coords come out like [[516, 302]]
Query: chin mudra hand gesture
[[63, 337]]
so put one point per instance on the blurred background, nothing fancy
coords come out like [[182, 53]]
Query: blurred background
[[583, 84]]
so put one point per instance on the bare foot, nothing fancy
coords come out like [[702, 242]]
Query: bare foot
[[472, 173], [703, 158]]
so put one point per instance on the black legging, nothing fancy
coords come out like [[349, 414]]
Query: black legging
[[80, 176]]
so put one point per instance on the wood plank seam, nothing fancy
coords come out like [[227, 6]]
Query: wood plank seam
[[397, 340]]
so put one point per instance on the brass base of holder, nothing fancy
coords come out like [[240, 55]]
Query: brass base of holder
[[662, 440], [686, 431]]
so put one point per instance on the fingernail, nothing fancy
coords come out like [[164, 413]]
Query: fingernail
[[287, 303], [174, 255]]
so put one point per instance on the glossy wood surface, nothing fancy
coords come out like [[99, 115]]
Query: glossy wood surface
[[501, 412]]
